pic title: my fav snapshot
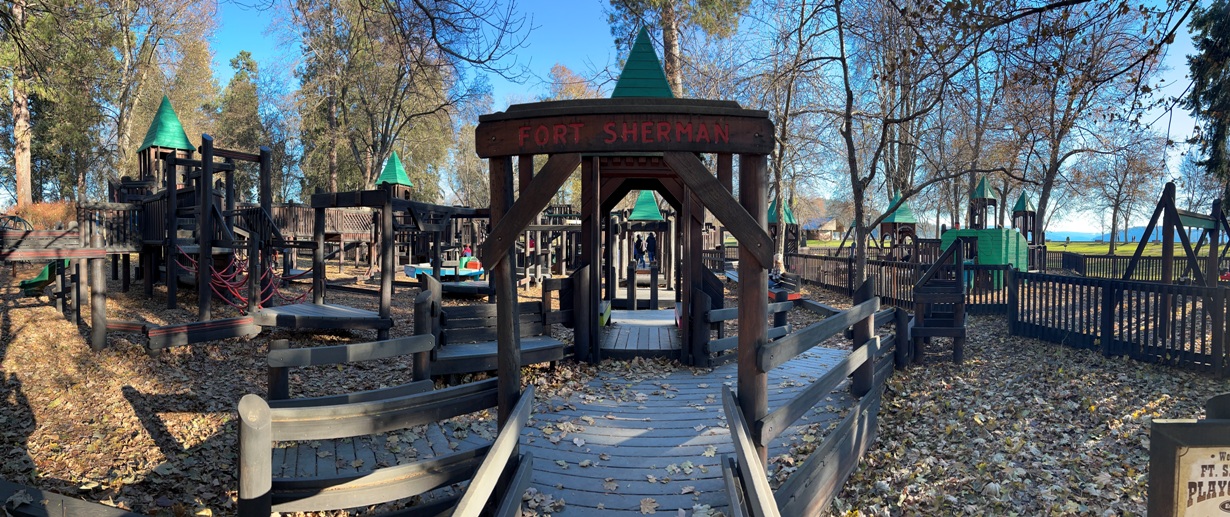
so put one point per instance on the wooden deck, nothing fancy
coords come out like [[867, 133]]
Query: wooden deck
[[666, 298], [326, 316], [641, 334], [670, 428]]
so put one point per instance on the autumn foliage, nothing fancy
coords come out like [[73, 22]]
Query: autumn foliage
[[48, 216]]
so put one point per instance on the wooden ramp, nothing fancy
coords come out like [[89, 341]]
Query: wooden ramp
[[324, 316], [669, 427], [478, 357], [641, 334]]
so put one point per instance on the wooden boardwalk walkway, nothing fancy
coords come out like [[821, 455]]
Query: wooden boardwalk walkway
[[641, 334], [653, 438]]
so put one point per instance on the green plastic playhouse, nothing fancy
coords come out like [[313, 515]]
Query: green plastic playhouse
[[995, 246]]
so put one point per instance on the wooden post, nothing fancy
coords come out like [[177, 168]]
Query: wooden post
[[1013, 299], [779, 318], [863, 378], [205, 230], [279, 377], [901, 324], [77, 290], [98, 300], [426, 312], [255, 456], [388, 264], [318, 256], [591, 228], [753, 300], [1169, 225], [254, 271], [171, 252], [1110, 302], [591, 352], [632, 285], [701, 304], [508, 335], [653, 286], [125, 272], [59, 271]]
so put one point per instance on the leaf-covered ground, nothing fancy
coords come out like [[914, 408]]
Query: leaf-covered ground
[[1024, 427]]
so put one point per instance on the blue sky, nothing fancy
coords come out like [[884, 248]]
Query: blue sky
[[575, 33], [572, 33]]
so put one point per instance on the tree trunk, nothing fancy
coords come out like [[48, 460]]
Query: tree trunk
[[21, 120], [1114, 228], [332, 140], [670, 48]]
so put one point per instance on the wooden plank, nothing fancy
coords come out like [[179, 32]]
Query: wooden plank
[[734, 487], [542, 189], [812, 488], [487, 310], [510, 503], [756, 480], [50, 504], [15, 255], [390, 392], [776, 422], [350, 353], [502, 451], [336, 421], [745, 228], [774, 354]]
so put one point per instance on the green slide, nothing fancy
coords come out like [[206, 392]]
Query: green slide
[[34, 286]]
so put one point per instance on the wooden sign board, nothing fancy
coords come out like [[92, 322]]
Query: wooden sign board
[[624, 126], [1189, 468]]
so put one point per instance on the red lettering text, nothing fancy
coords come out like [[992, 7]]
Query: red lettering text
[[721, 133], [542, 135], [576, 131], [629, 131], [646, 132], [561, 134], [702, 134], [682, 130], [523, 133], [664, 131], [609, 129]]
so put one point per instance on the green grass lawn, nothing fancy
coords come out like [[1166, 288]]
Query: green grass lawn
[[1152, 249]]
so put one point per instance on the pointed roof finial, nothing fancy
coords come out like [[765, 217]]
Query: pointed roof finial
[[393, 172], [166, 131], [1023, 204], [903, 214], [982, 192], [643, 75], [787, 214]]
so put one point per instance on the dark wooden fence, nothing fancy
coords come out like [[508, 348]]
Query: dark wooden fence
[[811, 487], [1177, 325], [894, 281]]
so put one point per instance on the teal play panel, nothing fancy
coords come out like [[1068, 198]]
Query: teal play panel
[[996, 246]]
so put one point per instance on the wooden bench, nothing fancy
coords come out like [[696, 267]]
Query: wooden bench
[[371, 414], [468, 338]]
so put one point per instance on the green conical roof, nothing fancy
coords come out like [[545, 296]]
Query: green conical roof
[[786, 213], [646, 208], [166, 131], [902, 214], [1023, 204], [643, 75], [982, 192], [393, 172]]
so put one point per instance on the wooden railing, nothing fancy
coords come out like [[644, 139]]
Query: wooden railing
[[117, 223], [1178, 325], [713, 352], [812, 486]]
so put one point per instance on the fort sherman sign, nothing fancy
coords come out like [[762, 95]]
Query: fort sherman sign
[[1189, 466], [624, 126]]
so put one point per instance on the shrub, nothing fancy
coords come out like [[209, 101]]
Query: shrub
[[46, 216]]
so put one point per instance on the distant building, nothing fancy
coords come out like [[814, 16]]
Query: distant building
[[821, 229]]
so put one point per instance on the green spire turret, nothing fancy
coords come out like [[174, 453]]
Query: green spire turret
[[166, 130], [393, 172], [643, 75]]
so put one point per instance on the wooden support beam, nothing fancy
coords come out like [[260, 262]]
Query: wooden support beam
[[753, 283], [205, 230], [388, 265], [751, 236], [520, 214], [508, 331]]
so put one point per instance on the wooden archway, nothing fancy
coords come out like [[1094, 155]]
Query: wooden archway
[[631, 138]]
